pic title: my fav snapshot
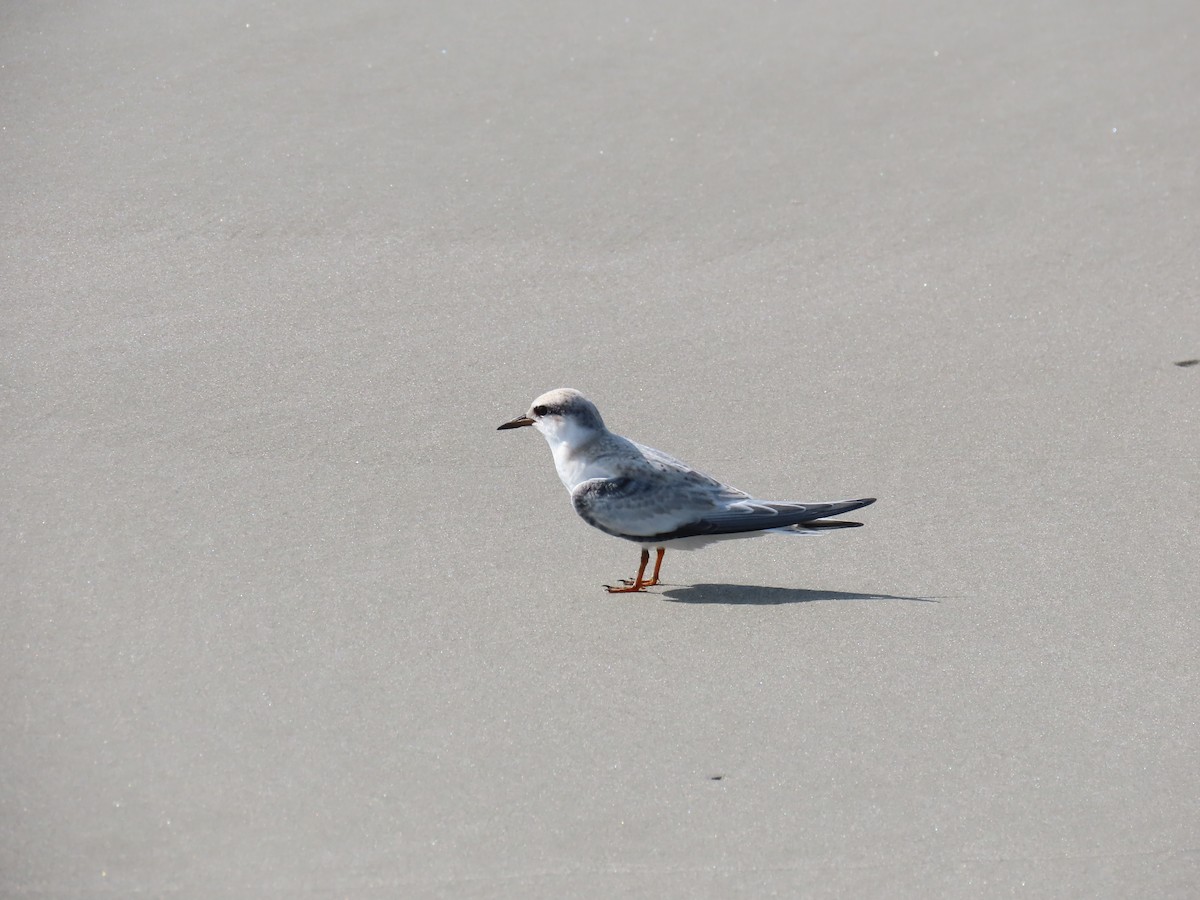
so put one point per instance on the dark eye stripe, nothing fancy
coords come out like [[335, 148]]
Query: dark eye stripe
[[540, 410]]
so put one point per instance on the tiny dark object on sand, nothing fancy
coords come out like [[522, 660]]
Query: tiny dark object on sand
[[716, 778], [1183, 364]]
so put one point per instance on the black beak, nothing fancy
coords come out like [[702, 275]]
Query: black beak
[[516, 423]]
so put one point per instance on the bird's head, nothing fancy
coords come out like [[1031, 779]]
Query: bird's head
[[563, 415]]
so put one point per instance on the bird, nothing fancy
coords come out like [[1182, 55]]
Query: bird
[[632, 491]]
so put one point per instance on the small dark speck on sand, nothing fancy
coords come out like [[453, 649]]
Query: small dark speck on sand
[[1184, 363], [716, 778]]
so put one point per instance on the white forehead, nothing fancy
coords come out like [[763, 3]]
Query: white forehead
[[560, 397]]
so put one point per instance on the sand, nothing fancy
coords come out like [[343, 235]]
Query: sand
[[285, 615]]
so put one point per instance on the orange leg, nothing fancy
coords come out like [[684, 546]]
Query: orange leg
[[653, 578], [637, 584], [657, 565]]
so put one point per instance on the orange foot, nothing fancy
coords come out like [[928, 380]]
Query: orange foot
[[635, 587], [635, 584]]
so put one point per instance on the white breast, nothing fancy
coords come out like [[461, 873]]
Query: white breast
[[575, 467]]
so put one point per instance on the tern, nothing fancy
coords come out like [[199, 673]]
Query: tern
[[635, 492]]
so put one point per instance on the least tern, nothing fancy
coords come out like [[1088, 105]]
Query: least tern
[[643, 495]]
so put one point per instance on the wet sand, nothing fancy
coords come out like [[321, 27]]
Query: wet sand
[[286, 616]]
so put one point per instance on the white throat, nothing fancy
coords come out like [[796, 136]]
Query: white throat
[[573, 467]]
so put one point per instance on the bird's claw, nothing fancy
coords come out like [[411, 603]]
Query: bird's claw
[[632, 587]]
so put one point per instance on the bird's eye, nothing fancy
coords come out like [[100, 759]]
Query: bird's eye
[[540, 410]]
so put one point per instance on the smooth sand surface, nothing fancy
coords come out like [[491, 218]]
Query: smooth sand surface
[[285, 616]]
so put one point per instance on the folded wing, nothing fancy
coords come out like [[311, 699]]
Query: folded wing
[[640, 509], [760, 515]]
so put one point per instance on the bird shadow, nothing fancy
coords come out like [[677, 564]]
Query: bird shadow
[[756, 595]]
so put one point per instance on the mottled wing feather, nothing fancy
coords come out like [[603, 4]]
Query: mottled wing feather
[[645, 509], [639, 508], [661, 460]]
